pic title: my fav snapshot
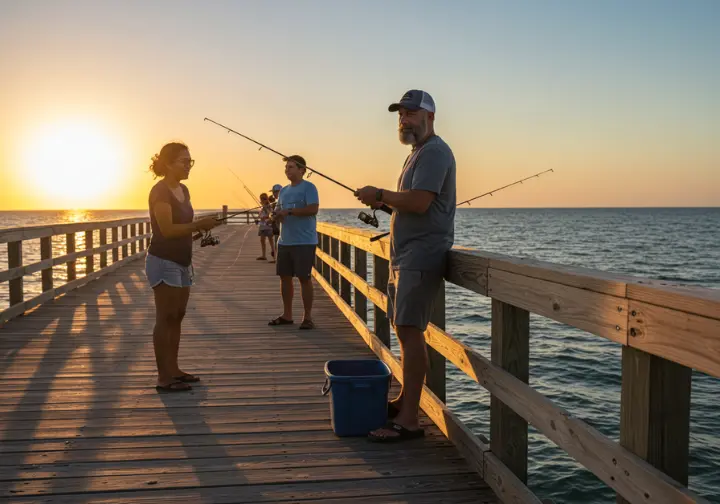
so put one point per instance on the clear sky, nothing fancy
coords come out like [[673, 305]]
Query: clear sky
[[620, 98]]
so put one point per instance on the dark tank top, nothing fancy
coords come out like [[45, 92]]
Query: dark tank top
[[178, 249]]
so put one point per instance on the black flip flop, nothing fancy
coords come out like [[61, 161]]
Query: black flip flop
[[188, 378], [280, 321], [172, 387], [403, 434], [307, 324]]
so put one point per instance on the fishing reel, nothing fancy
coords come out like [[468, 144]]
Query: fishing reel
[[368, 219], [208, 240]]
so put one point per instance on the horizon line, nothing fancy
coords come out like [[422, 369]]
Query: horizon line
[[367, 208]]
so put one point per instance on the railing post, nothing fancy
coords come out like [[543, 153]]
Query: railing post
[[225, 214], [115, 251], [381, 271], [326, 249], [361, 271], [247, 216], [335, 254], [70, 247], [511, 351], [15, 260], [345, 293], [133, 234], [318, 261], [655, 412], [141, 231], [89, 260], [124, 237], [45, 254], [435, 378], [103, 254]]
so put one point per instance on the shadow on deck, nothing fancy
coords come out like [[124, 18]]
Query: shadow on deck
[[80, 420]]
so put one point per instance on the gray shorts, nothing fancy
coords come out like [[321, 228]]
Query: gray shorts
[[295, 260], [411, 297], [158, 270], [265, 232]]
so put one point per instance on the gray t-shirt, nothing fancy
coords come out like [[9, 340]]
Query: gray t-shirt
[[421, 241]]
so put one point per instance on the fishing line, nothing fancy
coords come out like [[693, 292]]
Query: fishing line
[[252, 195], [239, 251]]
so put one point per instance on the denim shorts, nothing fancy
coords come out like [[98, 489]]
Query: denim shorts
[[159, 270]]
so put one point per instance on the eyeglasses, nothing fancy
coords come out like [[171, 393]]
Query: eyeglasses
[[186, 162]]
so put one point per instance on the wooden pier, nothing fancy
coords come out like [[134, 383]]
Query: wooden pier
[[80, 420]]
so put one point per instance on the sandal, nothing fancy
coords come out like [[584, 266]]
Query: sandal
[[261, 258], [175, 386], [403, 434], [187, 378], [307, 324], [280, 321]]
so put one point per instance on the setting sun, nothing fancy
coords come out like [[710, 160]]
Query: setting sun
[[73, 162]]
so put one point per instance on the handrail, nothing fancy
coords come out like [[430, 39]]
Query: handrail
[[129, 241], [33, 232], [664, 329], [634, 311]]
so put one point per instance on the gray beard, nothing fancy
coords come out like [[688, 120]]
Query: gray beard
[[411, 136], [407, 137]]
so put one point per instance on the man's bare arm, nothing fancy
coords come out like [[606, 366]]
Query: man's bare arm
[[414, 200]]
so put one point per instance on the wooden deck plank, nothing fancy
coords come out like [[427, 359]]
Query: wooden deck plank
[[404, 489], [80, 420]]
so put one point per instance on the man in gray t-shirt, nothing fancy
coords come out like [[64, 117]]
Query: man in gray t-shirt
[[421, 233]]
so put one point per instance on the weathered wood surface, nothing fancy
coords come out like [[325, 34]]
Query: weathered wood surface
[[80, 420]]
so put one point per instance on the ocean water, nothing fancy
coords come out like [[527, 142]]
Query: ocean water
[[580, 372]]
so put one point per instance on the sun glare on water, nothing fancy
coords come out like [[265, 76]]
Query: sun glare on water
[[73, 164]]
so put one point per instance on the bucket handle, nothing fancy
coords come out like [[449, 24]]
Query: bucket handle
[[326, 388]]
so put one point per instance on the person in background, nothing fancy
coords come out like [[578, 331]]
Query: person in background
[[296, 210], [275, 225], [168, 265], [265, 230], [422, 229]]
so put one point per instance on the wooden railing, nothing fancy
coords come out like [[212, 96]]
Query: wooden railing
[[665, 332], [125, 239], [248, 217]]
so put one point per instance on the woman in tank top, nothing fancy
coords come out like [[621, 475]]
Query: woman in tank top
[[168, 265]]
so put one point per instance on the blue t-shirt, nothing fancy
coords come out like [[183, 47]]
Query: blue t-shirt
[[298, 230]]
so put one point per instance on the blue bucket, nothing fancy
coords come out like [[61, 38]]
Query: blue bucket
[[358, 395]]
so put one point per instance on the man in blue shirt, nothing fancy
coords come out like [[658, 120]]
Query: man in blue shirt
[[296, 210]]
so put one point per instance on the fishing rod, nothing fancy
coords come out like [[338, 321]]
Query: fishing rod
[[377, 237], [209, 239], [503, 187], [252, 195], [366, 218]]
